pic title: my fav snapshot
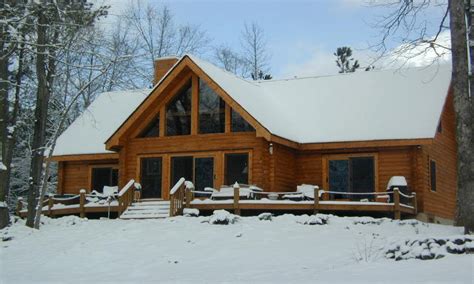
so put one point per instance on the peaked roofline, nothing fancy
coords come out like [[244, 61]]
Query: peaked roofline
[[194, 66]]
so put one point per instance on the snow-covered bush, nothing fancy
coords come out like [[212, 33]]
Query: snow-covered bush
[[432, 248], [190, 212], [318, 219], [222, 217], [265, 216]]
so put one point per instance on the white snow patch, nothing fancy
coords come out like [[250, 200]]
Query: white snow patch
[[3, 167], [253, 251]]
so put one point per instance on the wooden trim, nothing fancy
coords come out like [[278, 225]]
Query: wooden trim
[[365, 144], [283, 141], [195, 105], [162, 109], [83, 157], [228, 118], [162, 121], [113, 140]]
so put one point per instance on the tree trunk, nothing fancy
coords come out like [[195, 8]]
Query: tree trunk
[[4, 218], [41, 114], [464, 108]]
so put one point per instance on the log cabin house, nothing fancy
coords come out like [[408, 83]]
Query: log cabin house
[[347, 132]]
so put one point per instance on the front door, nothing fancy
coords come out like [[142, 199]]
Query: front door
[[151, 169]]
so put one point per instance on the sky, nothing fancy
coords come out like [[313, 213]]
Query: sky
[[301, 35]]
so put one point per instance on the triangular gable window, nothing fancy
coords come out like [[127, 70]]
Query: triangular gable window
[[178, 112], [153, 129], [211, 110], [239, 124]]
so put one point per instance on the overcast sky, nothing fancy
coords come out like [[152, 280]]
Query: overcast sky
[[301, 34]]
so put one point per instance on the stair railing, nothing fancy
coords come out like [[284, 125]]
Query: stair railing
[[125, 196], [177, 198]]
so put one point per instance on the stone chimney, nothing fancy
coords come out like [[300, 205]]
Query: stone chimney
[[162, 66]]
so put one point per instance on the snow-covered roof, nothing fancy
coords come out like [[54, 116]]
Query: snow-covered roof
[[361, 106], [87, 134]]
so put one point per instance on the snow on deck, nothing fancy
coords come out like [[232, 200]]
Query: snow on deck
[[190, 250]]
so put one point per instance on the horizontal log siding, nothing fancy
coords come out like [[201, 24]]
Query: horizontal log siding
[[443, 151], [284, 168], [216, 144], [76, 175]]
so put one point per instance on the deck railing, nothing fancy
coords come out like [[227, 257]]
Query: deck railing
[[177, 198]]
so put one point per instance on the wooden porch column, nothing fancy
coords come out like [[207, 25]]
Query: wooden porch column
[[236, 199], [50, 205], [396, 203]]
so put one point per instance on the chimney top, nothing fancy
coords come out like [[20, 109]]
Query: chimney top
[[162, 66]]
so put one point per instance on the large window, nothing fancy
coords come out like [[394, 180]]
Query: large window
[[200, 170], [433, 175], [153, 129], [104, 176], [237, 168], [181, 167], [150, 171], [239, 124], [211, 110], [178, 113]]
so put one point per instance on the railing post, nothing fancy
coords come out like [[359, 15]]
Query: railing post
[[19, 206], [189, 197], [236, 199], [50, 205], [316, 200], [181, 198], [172, 205], [415, 203], [82, 203], [396, 203]]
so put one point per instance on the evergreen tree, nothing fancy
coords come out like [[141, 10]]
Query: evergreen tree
[[344, 60]]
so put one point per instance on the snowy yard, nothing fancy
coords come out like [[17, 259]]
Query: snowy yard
[[186, 249]]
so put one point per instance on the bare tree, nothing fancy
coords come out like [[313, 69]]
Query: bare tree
[[230, 60], [155, 29], [403, 20], [255, 52]]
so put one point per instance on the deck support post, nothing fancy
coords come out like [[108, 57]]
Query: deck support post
[[316, 200], [50, 205], [82, 203], [19, 206], [396, 203], [236, 199]]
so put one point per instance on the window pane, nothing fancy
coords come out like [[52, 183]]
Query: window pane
[[239, 124], [362, 176], [181, 167], [103, 177], [151, 177], [211, 110], [203, 174], [178, 113], [236, 167], [339, 177], [433, 175], [152, 129]]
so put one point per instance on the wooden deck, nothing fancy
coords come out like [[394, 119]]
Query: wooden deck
[[183, 197]]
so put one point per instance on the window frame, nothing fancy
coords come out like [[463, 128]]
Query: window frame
[[113, 167]]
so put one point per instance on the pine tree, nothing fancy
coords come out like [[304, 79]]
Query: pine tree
[[344, 60]]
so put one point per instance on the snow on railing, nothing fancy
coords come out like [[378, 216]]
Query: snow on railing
[[177, 186], [126, 187], [177, 196]]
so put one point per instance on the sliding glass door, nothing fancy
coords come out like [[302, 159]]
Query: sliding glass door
[[199, 169], [351, 174]]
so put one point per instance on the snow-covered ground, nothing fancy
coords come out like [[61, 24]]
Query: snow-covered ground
[[285, 249]]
